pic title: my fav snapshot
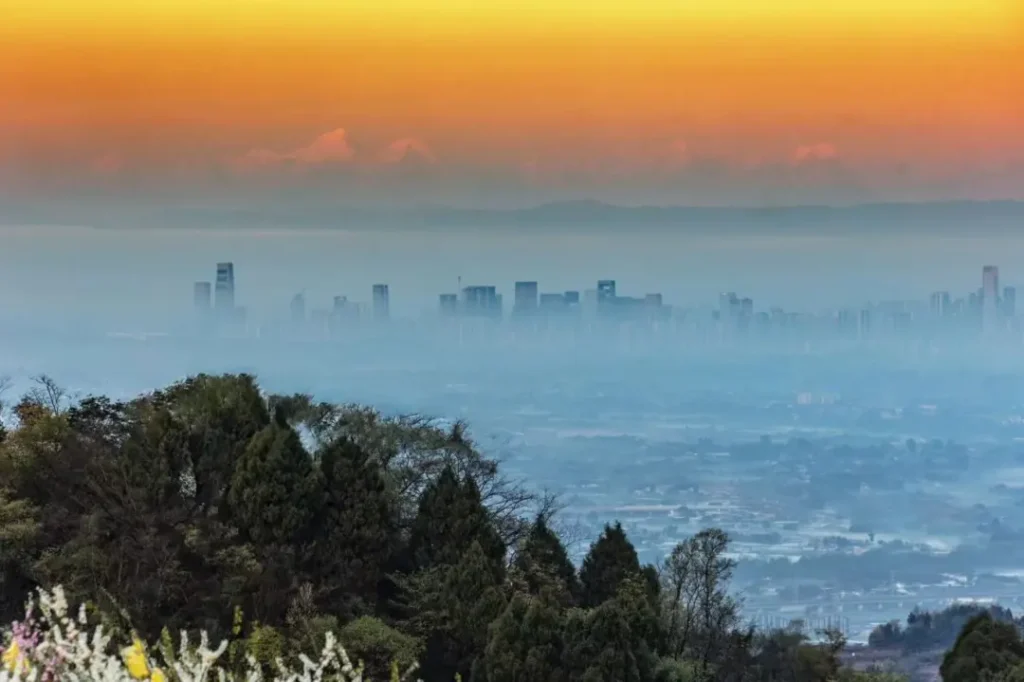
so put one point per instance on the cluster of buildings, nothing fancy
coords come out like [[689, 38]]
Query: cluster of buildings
[[529, 303], [990, 310]]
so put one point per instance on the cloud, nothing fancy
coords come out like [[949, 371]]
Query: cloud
[[407, 148], [679, 152], [810, 153], [107, 164], [328, 148]]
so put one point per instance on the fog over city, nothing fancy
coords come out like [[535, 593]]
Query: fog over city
[[850, 398]]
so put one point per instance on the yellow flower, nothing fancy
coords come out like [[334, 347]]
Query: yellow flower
[[12, 655], [158, 676], [135, 660]]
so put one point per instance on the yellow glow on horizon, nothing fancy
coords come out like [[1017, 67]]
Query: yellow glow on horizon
[[230, 20]]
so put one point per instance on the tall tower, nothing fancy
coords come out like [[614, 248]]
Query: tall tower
[[298, 309], [224, 289], [201, 297], [990, 298], [381, 302], [526, 298]]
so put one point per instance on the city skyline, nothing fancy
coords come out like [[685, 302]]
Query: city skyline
[[990, 309]]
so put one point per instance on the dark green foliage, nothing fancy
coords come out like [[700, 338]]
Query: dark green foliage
[[525, 643], [611, 560], [451, 517], [274, 492], [221, 414], [611, 645], [454, 605], [355, 531], [984, 648], [188, 507], [932, 629], [377, 645], [545, 564]]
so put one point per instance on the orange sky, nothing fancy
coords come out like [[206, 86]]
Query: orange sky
[[104, 85]]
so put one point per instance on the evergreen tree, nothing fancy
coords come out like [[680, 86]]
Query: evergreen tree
[[611, 560], [450, 518], [611, 645], [275, 493], [355, 531], [525, 643], [454, 605], [221, 414], [984, 649], [544, 562]]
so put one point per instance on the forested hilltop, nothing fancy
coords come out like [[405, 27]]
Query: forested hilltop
[[269, 521]]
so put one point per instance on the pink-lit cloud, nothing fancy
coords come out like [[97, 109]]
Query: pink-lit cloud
[[407, 148], [809, 153], [328, 148], [679, 152], [107, 164]]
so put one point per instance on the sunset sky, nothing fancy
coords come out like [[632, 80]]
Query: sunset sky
[[512, 101]]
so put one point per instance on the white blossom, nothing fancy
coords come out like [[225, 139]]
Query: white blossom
[[61, 647]]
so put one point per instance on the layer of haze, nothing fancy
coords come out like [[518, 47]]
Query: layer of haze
[[141, 279]]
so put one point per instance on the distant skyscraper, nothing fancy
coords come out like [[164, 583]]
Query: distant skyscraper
[[224, 289], [990, 298], [939, 304], [552, 303], [526, 298], [381, 302], [449, 304], [605, 290], [606, 296], [201, 296], [1009, 301], [481, 301], [298, 310]]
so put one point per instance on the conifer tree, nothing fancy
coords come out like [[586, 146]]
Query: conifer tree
[[611, 560], [450, 518], [526, 642], [454, 605], [543, 561], [275, 493], [356, 530]]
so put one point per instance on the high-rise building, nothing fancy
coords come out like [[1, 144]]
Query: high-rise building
[[449, 304], [990, 282], [1009, 301], [381, 302], [481, 301], [526, 298], [298, 309], [990, 298], [572, 298], [939, 304], [606, 296], [605, 290], [201, 296], [224, 289]]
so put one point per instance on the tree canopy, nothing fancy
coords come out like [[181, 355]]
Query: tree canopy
[[269, 520]]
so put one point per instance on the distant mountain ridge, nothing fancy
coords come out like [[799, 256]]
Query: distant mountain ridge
[[591, 211], [564, 214]]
